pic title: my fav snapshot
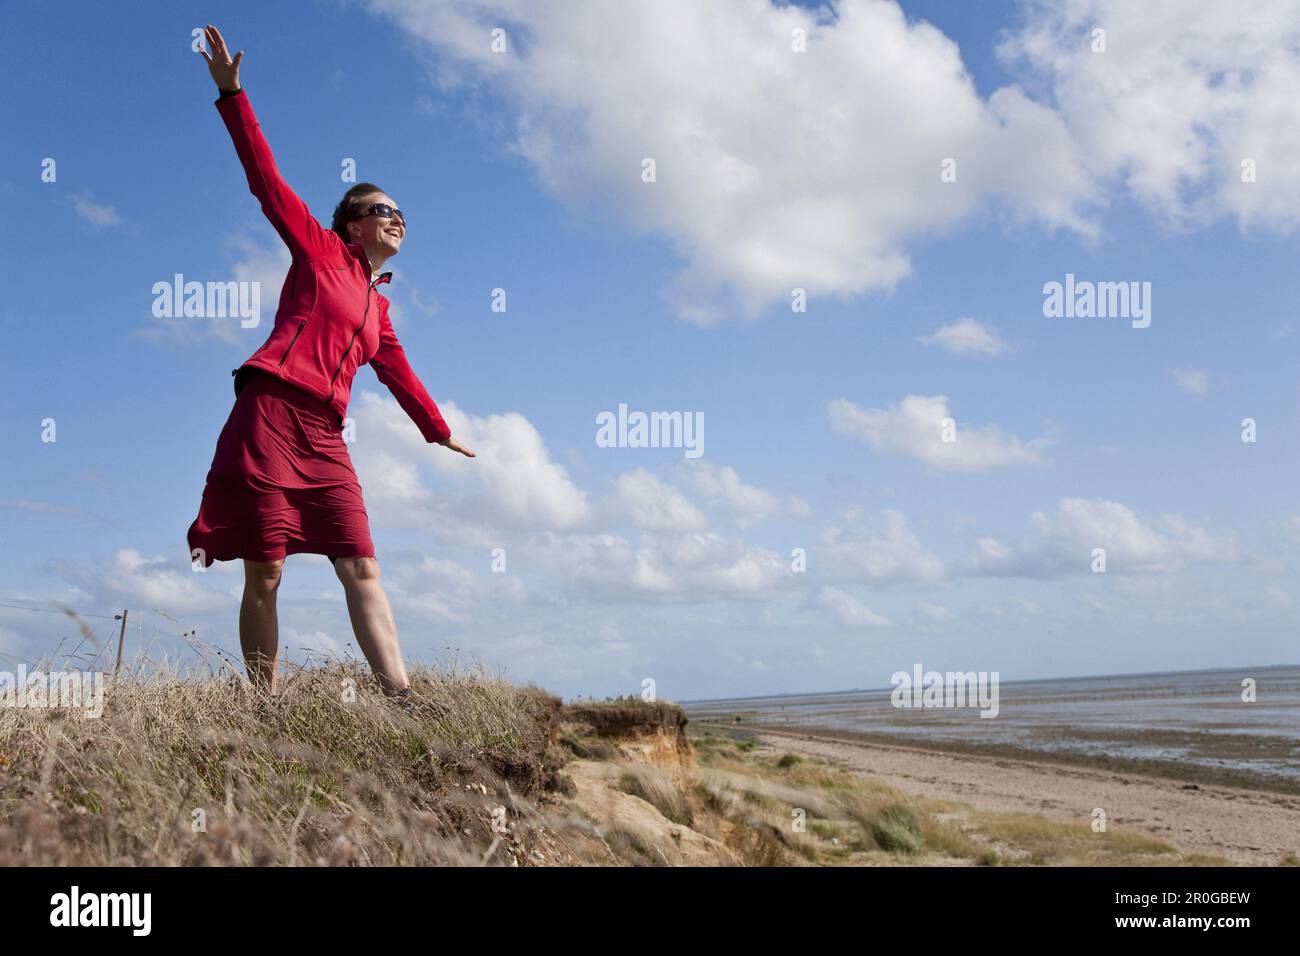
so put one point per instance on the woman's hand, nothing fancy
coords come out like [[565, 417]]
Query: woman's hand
[[224, 70], [457, 446]]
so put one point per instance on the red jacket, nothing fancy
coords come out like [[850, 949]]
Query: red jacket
[[330, 318]]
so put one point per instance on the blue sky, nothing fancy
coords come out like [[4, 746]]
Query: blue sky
[[522, 171]]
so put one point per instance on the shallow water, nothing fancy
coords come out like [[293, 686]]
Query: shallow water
[[1189, 717]]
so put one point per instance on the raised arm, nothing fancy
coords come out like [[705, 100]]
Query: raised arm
[[395, 371], [304, 236]]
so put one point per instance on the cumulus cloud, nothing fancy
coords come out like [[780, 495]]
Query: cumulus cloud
[[775, 169], [261, 267], [129, 579], [314, 643], [915, 428], [1182, 96], [1067, 538], [676, 567], [268, 267], [966, 337], [514, 494], [720, 484], [512, 484], [515, 487], [778, 169], [390, 481], [444, 591], [645, 501], [892, 554]]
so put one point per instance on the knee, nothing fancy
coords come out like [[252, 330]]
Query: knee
[[263, 577], [356, 570]]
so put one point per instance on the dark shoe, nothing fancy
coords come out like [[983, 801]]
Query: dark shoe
[[419, 706], [268, 706]]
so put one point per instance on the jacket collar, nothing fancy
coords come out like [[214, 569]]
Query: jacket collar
[[359, 251]]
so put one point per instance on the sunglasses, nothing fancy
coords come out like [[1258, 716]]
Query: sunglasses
[[384, 210]]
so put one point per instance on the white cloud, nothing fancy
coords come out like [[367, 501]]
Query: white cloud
[[820, 169], [445, 591], [1081, 523], [966, 337], [514, 496], [1184, 92], [268, 266], [930, 613], [132, 580], [721, 484], [993, 550], [646, 502], [849, 609], [671, 567], [428, 308], [512, 483], [388, 479], [315, 643], [775, 169], [1190, 380], [1010, 607], [914, 428], [1066, 541], [263, 268], [99, 216], [893, 555]]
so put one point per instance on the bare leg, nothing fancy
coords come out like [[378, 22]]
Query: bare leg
[[259, 628], [372, 621]]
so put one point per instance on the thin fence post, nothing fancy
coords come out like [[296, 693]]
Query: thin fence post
[[121, 639]]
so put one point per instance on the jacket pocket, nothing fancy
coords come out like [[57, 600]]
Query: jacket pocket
[[302, 323]]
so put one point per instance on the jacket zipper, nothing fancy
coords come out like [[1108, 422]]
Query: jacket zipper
[[301, 323], [352, 341]]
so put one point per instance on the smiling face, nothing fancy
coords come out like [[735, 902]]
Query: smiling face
[[377, 231]]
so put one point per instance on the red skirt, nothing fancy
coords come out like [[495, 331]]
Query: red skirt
[[281, 482]]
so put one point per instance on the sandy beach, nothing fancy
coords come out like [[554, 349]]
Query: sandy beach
[[1248, 827]]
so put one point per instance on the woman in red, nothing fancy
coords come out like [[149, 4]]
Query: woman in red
[[281, 480]]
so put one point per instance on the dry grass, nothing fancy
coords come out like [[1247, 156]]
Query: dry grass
[[197, 768], [627, 716], [848, 819], [659, 790], [1038, 841], [188, 769]]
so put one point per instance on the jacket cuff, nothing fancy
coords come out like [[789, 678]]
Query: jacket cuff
[[437, 432]]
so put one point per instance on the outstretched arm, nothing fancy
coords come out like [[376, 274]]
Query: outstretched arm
[[304, 236], [395, 371]]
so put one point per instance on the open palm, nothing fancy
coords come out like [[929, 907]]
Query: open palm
[[224, 70]]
